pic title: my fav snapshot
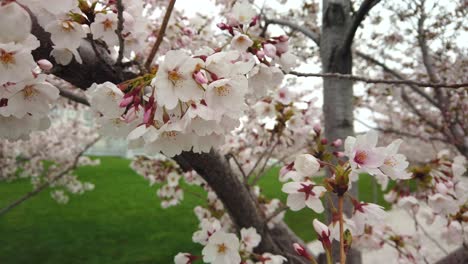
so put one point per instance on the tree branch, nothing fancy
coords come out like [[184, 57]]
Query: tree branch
[[382, 81], [400, 133], [398, 76], [118, 31], [358, 17], [73, 97], [315, 37], [43, 186], [161, 33]]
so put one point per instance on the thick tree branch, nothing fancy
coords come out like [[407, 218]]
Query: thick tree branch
[[161, 33], [458, 256], [358, 17], [315, 37], [382, 81]]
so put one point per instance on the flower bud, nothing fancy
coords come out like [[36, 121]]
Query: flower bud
[[323, 233], [337, 143], [200, 78], [260, 54], [317, 129], [126, 101], [301, 251], [45, 64], [270, 50]]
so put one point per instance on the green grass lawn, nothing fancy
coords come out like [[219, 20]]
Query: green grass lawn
[[120, 221]]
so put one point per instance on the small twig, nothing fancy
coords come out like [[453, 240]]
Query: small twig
[[368, 80], [267, 150], [47, 184], [276, 213], [162, 30], [118, 31], [230, 155], [73, 97], [420, 227], [340, 211]]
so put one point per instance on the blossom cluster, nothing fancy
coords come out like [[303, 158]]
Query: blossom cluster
[[25, 95], [168, 176], [222, 247], [50, 157], [192, 101]]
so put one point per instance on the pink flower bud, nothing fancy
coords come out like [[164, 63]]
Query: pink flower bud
[[45, 64], [337, 143], [324, 141], [147, 115], [338, 154], [200, 77], [270, 50], [441, 188], [254, 21], [301, 251], [130, 116], [260, 54], [286, 169], [323, 233], [282, 38], [317, 129], [282, 47], [126, 101]]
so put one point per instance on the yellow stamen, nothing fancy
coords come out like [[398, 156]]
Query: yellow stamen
[[6, 57], [222, 90], [107, 24], [222, 248], [29, 92]]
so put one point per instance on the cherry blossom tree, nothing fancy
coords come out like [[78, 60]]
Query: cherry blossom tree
[[211, 101]]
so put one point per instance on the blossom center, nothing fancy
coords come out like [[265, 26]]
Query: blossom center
[[307, 190], [222, 248], [6, 57], [174, 76], [170, 134], [67, 26], [29, 92], [390, 162], [222, 90], [360, 157], [107, 24]]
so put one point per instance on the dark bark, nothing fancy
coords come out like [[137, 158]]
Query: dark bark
[[459, 256]]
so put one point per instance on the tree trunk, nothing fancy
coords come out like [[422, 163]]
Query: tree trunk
[[459, 256], [337, 93]]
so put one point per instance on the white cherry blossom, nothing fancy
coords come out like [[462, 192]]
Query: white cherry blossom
[[249, 239], [15, 23], [222, 248], [174, 79], [241, 42], [301, 194], [66, 34], [105, 99], [16, 63], [104, 27]]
